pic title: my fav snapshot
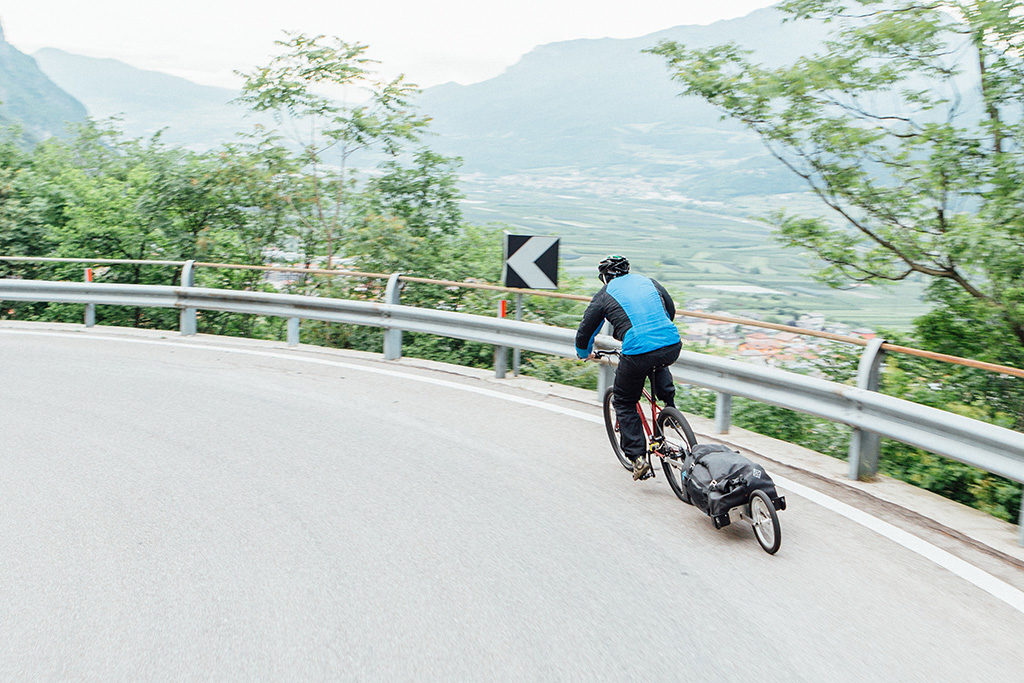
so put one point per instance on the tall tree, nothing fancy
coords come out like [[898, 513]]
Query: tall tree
[[300, 87], [909, 126]]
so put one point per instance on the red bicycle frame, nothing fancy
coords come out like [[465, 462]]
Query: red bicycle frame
[[645, 394], [648, 427]]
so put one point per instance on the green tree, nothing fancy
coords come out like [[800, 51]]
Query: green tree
[[329, 131], [257, 188], [407, 218], [425, 195], [25, 210], [909, 126]]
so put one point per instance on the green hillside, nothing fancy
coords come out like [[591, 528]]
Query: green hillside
[[31, 100]]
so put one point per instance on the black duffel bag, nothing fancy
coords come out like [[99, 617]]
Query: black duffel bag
[[718, 479]]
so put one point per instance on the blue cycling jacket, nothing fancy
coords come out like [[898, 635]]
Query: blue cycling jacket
[[639, 310]]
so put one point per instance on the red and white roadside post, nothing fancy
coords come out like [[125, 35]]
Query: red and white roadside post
[[501, 352], [90, 309]]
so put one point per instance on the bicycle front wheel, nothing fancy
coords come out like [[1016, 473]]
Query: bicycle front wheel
[[678, 441], [611, 425]]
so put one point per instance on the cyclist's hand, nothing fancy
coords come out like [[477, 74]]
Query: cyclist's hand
[[593, 356]]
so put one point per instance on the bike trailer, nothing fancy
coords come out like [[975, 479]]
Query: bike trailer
[[719, 479]]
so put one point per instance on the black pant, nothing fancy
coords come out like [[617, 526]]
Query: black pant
[[630, 377]]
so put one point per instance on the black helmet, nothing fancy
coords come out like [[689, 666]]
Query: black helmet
[[611, 268]]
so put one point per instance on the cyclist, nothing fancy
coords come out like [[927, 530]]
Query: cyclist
[[640, 312]]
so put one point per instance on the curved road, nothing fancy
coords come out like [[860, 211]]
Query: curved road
[[178, 509]]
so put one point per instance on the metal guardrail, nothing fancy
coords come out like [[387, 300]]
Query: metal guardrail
[[519, 293], [989, 447], [531, 336]]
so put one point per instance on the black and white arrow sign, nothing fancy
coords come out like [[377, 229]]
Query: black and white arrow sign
[[531, 262]]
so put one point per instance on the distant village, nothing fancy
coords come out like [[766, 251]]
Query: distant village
[[760, 345]]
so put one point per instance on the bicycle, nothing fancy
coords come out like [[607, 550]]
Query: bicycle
[[670, 438], [668, 435]]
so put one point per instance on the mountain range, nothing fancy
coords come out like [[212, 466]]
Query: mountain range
[[605, 107], [581, 106]]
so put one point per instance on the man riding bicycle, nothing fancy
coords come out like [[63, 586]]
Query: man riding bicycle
[[640, 312]]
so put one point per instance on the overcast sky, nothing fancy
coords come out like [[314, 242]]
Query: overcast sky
[[431, 41]]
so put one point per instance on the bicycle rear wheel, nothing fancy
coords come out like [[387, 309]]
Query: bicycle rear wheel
[[678, 441], [611, 425]]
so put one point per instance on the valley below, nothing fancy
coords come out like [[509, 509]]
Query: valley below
[[700, 249]]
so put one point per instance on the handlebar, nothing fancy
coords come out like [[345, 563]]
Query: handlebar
[[609, 352]]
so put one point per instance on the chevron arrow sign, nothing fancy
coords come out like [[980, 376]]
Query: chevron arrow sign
[[531, 261]]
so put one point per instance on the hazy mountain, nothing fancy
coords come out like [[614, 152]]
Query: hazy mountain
[[590, 106], [195, 116], [603, 106], [30, 99]]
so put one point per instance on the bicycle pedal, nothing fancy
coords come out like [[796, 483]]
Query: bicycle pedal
[[649, 474]]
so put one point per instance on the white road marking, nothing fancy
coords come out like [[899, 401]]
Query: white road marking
[[980, 578]]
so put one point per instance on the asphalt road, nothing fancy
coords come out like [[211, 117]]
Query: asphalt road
[[174, 511]]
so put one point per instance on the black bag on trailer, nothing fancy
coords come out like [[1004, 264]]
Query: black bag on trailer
[[718, 479]]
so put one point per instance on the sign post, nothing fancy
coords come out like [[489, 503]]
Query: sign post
[[515, 351]]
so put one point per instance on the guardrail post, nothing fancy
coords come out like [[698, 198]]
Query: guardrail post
[[90, 309], [393, 336], [188, 315], [723, 412], [605, 371], [516, 350], [500, 352], [293, 331], [864, 445], [1020, 522], [605, 378]]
